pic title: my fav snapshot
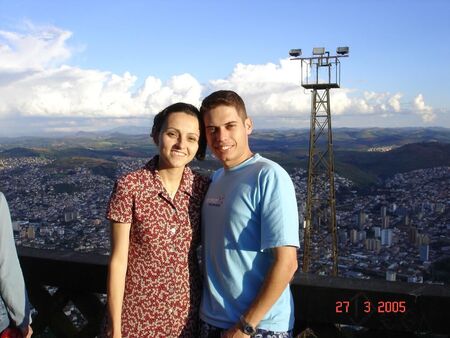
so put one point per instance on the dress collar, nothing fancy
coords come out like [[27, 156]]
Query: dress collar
[[186, 180]]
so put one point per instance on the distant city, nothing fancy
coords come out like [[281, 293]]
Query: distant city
[[396, 229]]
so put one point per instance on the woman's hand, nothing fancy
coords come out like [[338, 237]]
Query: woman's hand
[[115, 334]]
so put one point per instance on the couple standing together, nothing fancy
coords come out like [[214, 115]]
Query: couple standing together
[[245, 217]]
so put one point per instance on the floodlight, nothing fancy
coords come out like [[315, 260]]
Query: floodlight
[[342, 50], [295, 52], [318, 51]]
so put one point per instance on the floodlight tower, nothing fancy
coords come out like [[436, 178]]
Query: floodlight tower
[[320, 73]]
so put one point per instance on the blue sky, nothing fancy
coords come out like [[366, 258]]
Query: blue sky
[[87, 65]]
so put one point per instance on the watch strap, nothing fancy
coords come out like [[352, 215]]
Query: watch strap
[[246, 327]]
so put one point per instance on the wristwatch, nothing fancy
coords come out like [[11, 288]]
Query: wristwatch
[[246, 327]]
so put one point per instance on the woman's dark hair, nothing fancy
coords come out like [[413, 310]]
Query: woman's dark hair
[[180, 107]]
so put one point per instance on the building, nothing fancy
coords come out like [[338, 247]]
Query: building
[[343, 238], [422, 239], [393, 207], [383, 211], [424, 251], [31, 232], [412, 234], [18, 225], [362, 235], [407, 220], [385, 222], [415, 279], [361, 218], [440, 208], [353, 236], [70, 215], [386, 237], [376, 232], [391, 276], [373, 244]]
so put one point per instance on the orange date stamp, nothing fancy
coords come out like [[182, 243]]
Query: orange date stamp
[[387, 306]]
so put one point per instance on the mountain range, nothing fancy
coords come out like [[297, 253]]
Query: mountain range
[[362, 155]]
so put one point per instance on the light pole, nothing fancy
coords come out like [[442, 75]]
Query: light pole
[[320, 73]]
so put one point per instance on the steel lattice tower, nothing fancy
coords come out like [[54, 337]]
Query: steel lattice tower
[[320, 252]]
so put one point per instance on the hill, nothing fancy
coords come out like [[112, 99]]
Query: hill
[[19, 152], [411, 149], [366, 167], [98, 166]]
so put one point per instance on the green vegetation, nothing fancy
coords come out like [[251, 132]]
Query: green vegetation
[[359, 177], [406, 158], [19, 152], [98, 166], [80, 161], [105, 170]]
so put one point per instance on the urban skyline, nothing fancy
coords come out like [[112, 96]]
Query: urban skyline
[[395, 231]]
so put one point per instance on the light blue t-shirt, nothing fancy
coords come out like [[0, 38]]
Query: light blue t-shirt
[[248, 210]]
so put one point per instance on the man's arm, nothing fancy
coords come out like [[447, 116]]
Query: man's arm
[[276, 281], [120, 239], [12, 284], [27, 331]]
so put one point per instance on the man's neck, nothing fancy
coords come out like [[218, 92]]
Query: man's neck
[[242, 160]]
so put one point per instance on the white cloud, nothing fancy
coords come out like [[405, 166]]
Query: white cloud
[[425, 112], [36, 48], [374, 102], [34, 82], [37, 82], [341, 102], [271, 89], [267, 89], [71, 91], [394, 102], [156, 96]]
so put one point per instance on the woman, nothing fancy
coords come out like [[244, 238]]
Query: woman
[[153, 277]]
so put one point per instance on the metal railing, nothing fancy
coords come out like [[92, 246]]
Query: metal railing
[[326, 306]]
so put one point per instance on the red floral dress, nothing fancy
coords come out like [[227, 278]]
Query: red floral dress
[[162, 286]]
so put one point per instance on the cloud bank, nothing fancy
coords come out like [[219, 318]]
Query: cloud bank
[[36, 82]]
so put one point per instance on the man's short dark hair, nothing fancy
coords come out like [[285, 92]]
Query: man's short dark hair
[[224, 98]]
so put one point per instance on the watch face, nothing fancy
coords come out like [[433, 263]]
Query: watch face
[[249, 330]]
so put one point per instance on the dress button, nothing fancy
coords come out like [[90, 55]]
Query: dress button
[[171, 270], [172, 231]]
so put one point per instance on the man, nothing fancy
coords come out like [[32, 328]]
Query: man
[[249, 229], [14, 305]]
